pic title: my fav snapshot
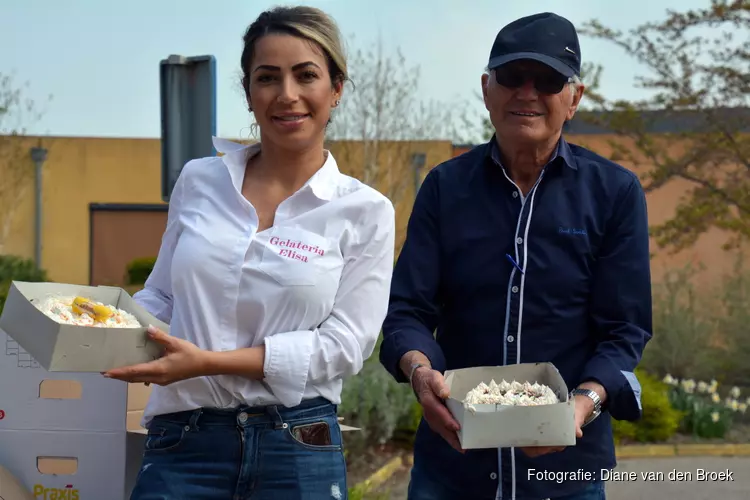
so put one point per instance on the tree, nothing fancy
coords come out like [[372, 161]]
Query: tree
[[16, 168], [698, 64], [383, 130]]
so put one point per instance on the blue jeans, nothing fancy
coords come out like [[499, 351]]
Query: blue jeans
[[246, 453], [424, 486]]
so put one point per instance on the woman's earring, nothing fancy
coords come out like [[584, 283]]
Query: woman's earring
[[338, 101]]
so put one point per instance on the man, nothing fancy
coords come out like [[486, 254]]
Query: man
[[525, 249]]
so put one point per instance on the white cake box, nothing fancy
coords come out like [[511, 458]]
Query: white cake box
[[70, 348], [503, 426]]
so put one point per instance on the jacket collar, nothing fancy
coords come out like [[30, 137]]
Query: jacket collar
[[492, 152]]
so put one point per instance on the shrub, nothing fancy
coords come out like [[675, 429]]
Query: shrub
[[15, 268], [683, 324], [407, 427], [705, 415], [373, 401], [733, 316], [4, 288], [701, 332], [707, 420], [140, 269], [360, 492], [660, 420]]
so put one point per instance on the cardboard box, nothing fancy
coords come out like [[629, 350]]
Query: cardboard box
[[497, 426], [57, 429], [68, 348], [138, 395], [10, 487], [32, 398], [73, 465]]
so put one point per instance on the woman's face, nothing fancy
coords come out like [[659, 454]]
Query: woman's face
[[291, 93]]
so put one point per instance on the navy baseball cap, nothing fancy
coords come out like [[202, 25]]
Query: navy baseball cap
[[546, 37]]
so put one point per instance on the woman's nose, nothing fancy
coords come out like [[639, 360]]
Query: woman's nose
[[289, 90]]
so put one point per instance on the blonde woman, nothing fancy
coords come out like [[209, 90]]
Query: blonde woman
[[274, 274]]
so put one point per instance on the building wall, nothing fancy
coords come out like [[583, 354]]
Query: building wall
[[84, 171], [80, 171]]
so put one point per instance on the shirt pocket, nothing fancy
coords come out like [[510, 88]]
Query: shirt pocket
[[293, 256]]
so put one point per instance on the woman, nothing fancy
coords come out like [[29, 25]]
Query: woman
[[274, 274]]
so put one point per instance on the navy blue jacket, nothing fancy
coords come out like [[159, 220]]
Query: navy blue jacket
[[582, 303]]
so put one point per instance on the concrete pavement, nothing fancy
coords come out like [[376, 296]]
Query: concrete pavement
[[667, 479], [655, 479]]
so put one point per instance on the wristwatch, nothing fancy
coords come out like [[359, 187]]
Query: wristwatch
[[595, 398]]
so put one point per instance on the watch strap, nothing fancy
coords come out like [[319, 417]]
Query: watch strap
[[595, 398]]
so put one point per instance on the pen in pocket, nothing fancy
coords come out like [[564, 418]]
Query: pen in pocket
[[513, 261]]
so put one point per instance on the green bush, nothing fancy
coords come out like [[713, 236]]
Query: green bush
[[660, 420], [704, 414], [683, 324], [732, 317], [4, 288], [700, 332], [407, 427], [15, 268], [708, 421], [139, 270], [360, 492], [373, 401]]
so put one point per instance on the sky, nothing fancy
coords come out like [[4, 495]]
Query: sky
[[99, 59]]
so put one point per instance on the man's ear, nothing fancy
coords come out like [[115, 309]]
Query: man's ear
[[575, 101], [485, 83]]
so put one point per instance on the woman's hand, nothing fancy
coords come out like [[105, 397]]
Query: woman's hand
[[181, 360]]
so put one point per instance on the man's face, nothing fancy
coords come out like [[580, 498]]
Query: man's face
[[528, 101]]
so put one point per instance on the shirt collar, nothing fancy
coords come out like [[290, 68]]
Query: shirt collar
[[322, 184], [562, 150]]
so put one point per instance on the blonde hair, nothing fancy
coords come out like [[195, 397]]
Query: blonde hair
[[309, 23]]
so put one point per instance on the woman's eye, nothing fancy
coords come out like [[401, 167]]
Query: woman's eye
[[264, 78], [309, 75]]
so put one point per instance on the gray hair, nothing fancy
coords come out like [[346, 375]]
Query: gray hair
[[575, 83]]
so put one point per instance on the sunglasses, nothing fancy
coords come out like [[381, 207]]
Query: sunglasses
[[545, 82]]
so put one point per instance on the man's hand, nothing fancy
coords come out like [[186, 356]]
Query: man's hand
[[429, 386], [584, 406]]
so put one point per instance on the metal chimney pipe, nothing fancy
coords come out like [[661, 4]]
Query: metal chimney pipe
[[38, 156]]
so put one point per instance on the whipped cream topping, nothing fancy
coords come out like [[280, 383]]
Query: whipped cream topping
[[60, 309], [510, 393]]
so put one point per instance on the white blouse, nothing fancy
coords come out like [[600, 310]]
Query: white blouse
[[313, 288]]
